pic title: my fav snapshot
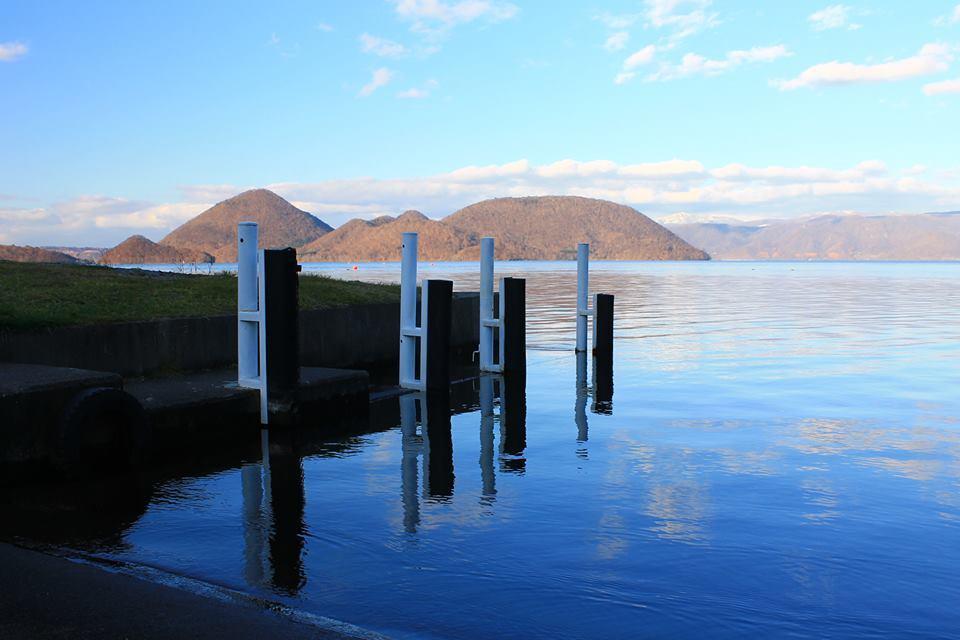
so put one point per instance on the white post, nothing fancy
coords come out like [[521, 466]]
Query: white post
[[488, 324], [409, 332], [583, 294], [251, 318], [247, 299]]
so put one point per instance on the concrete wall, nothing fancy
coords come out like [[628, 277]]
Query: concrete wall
[[352, 337]]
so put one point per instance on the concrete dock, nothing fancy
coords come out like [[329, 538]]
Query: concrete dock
[[38, 404]]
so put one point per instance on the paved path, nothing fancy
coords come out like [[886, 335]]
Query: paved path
[[43, 596]]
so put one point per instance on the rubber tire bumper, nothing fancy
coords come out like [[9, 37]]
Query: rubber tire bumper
[[102, 429]]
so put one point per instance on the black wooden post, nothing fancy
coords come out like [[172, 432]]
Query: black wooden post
[[603, 324], [438, 295], [281, 310], [514, 292]]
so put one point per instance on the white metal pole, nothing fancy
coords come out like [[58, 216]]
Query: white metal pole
[[583, 293], [247, 300], [487, 322], [247, 266], [408, 311]]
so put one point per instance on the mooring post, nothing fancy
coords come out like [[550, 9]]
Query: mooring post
[[436, 310], [251, 317], [281, 284], [409, 331], [583, 294], [513, 321], [488, 324], [603, 324]]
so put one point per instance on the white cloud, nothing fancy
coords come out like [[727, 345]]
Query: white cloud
[[638, 58], [682, 18], [323, 26], [380, 78], [418, 92], [10, 51], [949, 19], [932, 58], [654, 187], [434, 17], [413, 93], [616, 41], [942, 87], [835, 16], [617, 22], [381, 46], [694, 64]]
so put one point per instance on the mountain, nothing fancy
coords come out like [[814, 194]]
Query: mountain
[[533, 228], [140, 250], [13, 253], [215, 230], [549, 228], [378, 240], [83, 254], [929, 236]]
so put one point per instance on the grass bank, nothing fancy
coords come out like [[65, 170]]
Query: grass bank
[[53, 295]]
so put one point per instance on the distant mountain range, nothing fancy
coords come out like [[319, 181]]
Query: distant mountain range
[[533, 228], [140, 250], [13, 253], [536, 228], [928, 236], [215, 230]]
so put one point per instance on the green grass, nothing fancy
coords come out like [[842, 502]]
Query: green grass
[[52, 295]]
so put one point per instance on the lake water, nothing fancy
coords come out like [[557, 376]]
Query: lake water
[[780, 458]]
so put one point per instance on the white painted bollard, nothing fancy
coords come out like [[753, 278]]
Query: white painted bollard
[[583, 294], [251, 323], [488, 323], [409, 331]]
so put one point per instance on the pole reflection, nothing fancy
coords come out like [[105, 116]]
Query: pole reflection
[[438, 447], [273, 515], [513, 422], [487, 475], [601, 391]]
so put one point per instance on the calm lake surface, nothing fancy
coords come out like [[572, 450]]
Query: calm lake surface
[[780, 458]]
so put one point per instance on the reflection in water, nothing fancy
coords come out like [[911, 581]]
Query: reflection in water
[[580, 407], [784, 461], [513, 422], [435, 443], [602, 392], [438, 447], [411, 448], [273, 509], [487, 475], [603, 384]]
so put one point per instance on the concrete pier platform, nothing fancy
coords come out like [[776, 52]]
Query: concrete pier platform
[[32, 398], [183, 414], [209, 405]]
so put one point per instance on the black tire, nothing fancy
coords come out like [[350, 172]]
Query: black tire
[[102, 429]]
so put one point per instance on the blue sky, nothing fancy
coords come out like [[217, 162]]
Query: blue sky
[[123, 117]]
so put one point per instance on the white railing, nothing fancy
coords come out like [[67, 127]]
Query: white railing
[[251, 317], [489, 325], [583, 294], [409, 331]]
